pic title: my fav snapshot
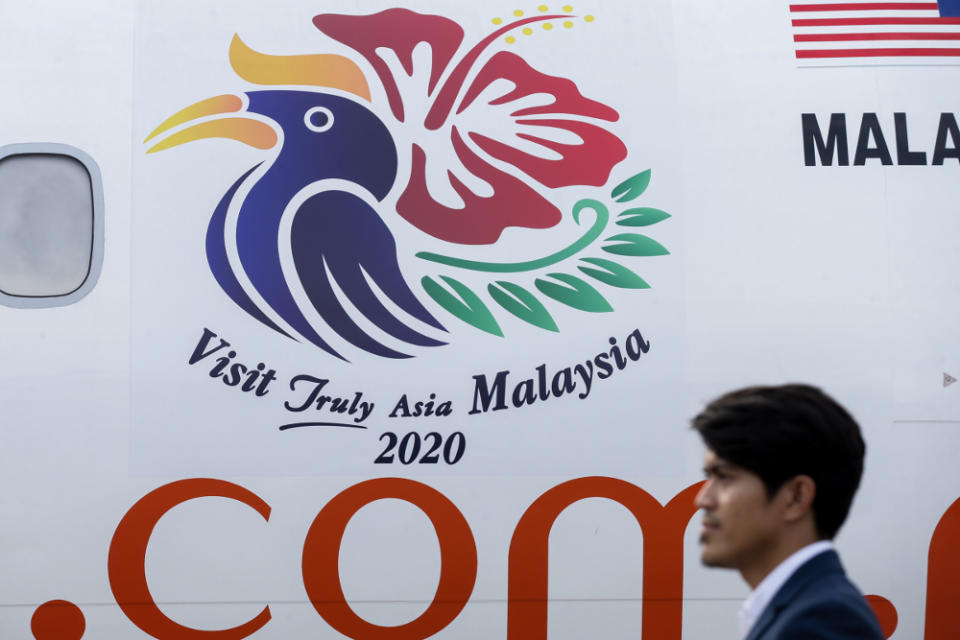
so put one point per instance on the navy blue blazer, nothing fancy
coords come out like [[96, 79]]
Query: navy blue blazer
[[817, 602]]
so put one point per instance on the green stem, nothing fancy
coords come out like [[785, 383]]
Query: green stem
[[603, 216]]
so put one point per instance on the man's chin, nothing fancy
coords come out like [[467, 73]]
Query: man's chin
[[710, 558]]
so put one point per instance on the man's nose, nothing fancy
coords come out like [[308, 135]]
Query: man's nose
[[704, 498]]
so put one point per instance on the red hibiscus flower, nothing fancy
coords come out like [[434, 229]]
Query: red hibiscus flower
[[554, 144]]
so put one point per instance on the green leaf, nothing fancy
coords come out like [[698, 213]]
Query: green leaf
[[470, 309], [634, 244], [632, 187], [522, 304], [641, 217], [578, 294], [616, 275]]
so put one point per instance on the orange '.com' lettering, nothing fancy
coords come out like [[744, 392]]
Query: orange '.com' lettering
[[663, 528]]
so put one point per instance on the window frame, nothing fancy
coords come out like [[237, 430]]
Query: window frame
[[96, 249]]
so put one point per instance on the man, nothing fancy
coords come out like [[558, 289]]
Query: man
[[782, 466]]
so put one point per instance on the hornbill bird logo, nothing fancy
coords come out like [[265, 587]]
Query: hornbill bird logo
[[300, 241], [336, 161]]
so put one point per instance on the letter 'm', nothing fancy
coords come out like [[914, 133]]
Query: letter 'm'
[[483, 395], [814, 144], [663, 528], [943, 578]]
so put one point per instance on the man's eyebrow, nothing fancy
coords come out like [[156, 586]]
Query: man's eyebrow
[[719, 466]]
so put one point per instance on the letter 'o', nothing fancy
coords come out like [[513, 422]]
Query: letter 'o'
[[128, 550], [321, 556]]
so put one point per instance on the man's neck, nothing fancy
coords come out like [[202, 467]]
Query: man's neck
[[760, 568]]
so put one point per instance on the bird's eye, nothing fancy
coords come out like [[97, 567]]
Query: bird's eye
[[318, 119]]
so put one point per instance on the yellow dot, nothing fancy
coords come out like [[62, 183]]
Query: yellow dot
[[567, 8], [527, 31], [518, 13], [497, 20], [588, 18], [568, 25], [510, 39], [542, 8], [547, 26]]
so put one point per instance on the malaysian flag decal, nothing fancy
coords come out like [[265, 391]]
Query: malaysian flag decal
[[884, 32]]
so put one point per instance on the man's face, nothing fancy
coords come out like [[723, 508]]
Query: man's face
[[741, 524]]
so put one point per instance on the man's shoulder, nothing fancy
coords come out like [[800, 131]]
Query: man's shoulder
[[819, 602], [840, 615]]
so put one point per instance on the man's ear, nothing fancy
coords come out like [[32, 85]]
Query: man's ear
[[798, 493]]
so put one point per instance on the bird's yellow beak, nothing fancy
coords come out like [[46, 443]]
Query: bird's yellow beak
[[332, 71], [247, 130]]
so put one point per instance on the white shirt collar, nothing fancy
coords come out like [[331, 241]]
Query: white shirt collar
[[760, 597]]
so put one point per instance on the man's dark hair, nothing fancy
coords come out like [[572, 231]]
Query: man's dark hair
[[781, 432]]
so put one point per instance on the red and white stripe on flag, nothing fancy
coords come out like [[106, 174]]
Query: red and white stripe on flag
[[879, 32]]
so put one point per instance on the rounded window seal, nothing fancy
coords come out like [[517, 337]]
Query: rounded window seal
[[96, 249]]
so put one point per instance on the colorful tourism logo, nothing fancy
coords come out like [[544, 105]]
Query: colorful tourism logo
[[310, 222]]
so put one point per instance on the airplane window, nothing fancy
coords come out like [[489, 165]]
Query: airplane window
[[51, 239]]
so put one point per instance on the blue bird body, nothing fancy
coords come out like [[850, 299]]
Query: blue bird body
[[334, 234]]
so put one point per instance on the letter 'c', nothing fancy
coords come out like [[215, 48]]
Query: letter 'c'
[[128, 550], [321, 556]]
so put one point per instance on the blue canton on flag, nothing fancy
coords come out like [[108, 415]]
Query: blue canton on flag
[[949, 8]]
